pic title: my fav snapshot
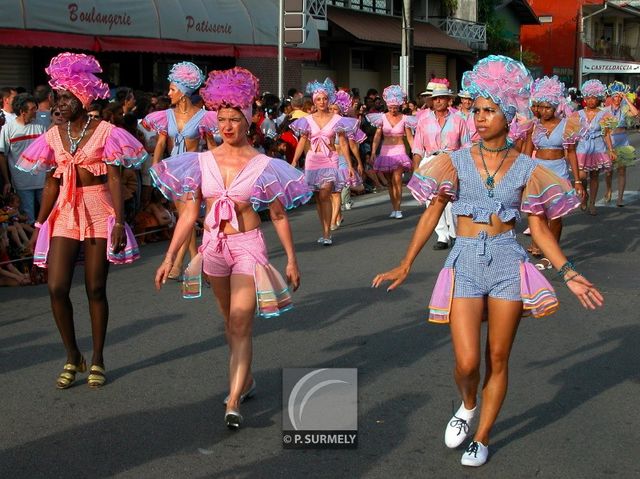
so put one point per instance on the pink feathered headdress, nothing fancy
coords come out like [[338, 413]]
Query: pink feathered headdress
[[504, 80], [186, 76], [233, 88], [442, 81], [393, 95], [552, 91], [593, 88], [75, 72], [343, 101]]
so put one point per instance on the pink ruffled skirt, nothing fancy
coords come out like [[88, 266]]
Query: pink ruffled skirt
[[391, 158], [321, 170]]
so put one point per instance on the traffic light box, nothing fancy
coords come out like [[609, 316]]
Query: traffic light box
[[295, 13]]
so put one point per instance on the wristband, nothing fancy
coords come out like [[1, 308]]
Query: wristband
[[120, 225], [37, 224], [565, 268]]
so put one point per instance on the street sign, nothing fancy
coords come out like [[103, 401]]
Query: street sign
[[295, 13]]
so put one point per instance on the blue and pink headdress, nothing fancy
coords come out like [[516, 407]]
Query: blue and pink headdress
[[552, 91], [394, 95], [327, 87], [593, 88], [186, 76], [233, 88], [75, 72]]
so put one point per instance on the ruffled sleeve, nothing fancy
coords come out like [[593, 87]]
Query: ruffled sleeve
[[157, 121], [351, 129], [573, 130], [38, 157], [548, 194], [300, 127], [279, 180], [608, 121], [519, 127], [121, 148], [178, 177], [376, 119], [411, 122], [209, 124], [437, 177]]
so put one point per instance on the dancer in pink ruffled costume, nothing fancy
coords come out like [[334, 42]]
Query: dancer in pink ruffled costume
[[488, 185], [81, 205], [392, 129], [236, 182]]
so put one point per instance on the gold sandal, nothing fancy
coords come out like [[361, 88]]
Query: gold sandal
[[96, 377], [68, 374]]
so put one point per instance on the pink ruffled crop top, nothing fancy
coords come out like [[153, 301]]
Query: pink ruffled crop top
[[380, 120], [322, 138]]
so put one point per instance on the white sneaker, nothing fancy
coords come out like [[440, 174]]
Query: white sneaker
[[475, 454], [399, 215], [320, 240], [327, 241], [393, 214], [348, 205], [458, 426]]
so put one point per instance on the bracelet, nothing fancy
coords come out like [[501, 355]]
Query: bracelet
[[578, 183], [37, 224], [571, 277], [119, 225], [565, 268]]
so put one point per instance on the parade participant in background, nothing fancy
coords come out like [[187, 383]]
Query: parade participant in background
[[342, 200], [595, 150], [15, 137], [392, 129], [625, 114], [465, 111], [81, 205], [321, 168], [488, 270], [438, 131], [553, 137], [236, 182], [180, 129]]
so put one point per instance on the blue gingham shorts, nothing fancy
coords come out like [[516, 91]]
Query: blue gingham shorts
[[487, 266]]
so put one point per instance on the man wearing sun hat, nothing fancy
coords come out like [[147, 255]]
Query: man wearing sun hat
[[439, 130], [465, 111]]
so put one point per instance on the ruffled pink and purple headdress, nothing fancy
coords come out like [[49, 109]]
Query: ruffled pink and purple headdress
[[75, 72], [186, 76], [505, 81], [552, 91], [593, 88], [233, 88], [327, 87], [618, 88], [343, 101], [394, 95]]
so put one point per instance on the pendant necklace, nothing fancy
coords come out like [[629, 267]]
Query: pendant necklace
[[490, 182], [75, 142]]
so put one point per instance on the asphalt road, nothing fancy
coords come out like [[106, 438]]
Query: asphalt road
[[570, 412]]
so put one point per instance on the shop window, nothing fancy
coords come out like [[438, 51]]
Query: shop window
[[363, 59], [376, 6]]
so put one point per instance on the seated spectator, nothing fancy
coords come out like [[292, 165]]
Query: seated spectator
[[9, 274]]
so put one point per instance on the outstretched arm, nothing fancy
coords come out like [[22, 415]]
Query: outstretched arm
[[422, 233], [299, 150], [281, 224]]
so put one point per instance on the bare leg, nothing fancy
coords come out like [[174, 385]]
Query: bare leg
[[61, 261], [236, 297], [392, 190], [396, 185], [607, 181], [504, 318], [466, 316], [323, 204], [335, 208], [189, 245], [622, 183], [96, 269], [594, 177]]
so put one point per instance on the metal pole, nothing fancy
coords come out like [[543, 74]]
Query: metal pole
[[407, 27], [280, 49]]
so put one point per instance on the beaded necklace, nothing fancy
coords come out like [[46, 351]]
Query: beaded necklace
[[490, 182], [75, 142]]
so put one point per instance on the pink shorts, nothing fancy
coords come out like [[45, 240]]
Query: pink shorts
[[224, 255], [87, 218]]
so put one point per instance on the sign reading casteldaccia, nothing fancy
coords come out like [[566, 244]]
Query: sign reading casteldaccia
[[590, 65]]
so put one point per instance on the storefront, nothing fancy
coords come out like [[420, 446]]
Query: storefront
[[609, 70], [137, 40]]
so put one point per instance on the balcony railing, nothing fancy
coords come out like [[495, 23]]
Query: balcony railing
[[472, 34], [614, 51]]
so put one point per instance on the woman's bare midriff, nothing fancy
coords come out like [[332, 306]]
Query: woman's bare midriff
[[190, 144], [466, 227], [393, 140], [248, 219], [549, 154], [617, 131], [85, 178]]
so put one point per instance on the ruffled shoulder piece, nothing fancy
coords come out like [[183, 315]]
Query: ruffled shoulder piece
[[121, 148], [178, 177], [519, 127], [548, 194], [300, 127], [279, 180], [209, 124], [38, 156], [351, 129], [607, 120], [574, 129], [436, 176], [157, 121], [376, 119], [411, 122]]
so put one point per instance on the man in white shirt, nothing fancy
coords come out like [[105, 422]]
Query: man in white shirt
[[15, 137], [8, 94]]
